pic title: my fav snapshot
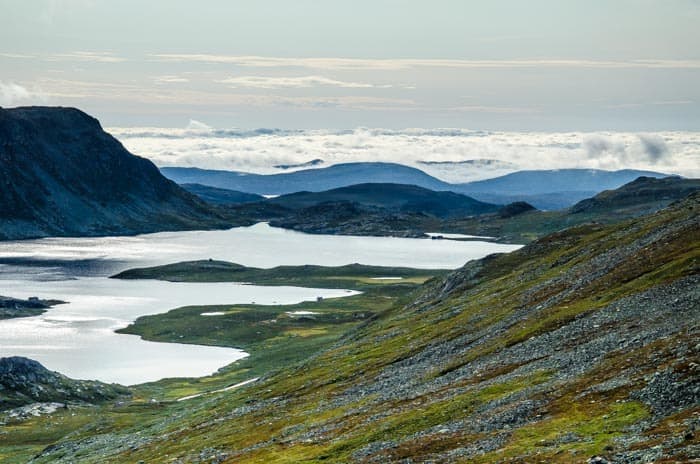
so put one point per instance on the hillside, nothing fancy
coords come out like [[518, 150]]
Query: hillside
[[61, 174], [393, 197], [641, 194], [581, 344], [219, 196], [644, 195]]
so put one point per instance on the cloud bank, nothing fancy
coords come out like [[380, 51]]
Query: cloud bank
[[259, 150], [406, 63]]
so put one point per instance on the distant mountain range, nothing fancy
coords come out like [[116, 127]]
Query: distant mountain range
[[311, 180], [546, 189], [61, 174]]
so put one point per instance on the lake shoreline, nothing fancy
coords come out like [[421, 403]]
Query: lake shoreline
[[78, 337]]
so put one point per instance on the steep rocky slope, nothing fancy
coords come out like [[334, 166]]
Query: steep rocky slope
[[582, 343], [61, 174]]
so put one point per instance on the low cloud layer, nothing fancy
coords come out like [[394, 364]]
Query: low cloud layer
[[260, 150], [648, 150]]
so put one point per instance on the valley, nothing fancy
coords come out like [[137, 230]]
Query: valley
[[580, 343], [373, 321]]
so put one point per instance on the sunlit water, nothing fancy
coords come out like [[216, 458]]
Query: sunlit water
[[78, 338]]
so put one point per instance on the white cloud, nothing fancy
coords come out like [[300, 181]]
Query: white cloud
[[268, 82], [98, 57], [12, 94], [18, 56], [72, 89], [169, 79], [493, 109], [259, 150], [404, 63]]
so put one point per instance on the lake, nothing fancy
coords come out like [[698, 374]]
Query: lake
[[78, 339]]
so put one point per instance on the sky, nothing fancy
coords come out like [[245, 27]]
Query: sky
[[508, 65]]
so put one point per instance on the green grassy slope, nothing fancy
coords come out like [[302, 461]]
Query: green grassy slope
[[582, 343]]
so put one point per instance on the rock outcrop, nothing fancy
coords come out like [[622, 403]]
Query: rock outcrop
[[24, 381]]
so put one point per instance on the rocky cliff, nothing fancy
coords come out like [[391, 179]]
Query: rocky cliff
[[61, 174]]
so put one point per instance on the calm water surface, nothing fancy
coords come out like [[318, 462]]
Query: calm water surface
[[78, 338]]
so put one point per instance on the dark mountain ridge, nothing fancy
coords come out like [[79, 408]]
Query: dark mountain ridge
[[394, 197], [61, 174]]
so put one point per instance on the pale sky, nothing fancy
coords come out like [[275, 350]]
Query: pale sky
[[510, 65]]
